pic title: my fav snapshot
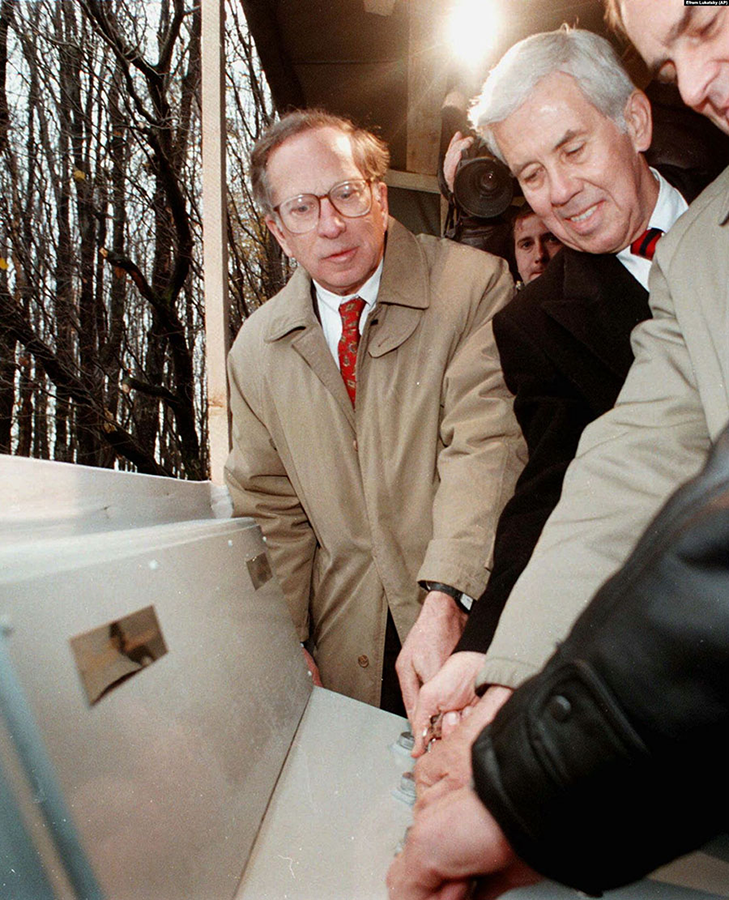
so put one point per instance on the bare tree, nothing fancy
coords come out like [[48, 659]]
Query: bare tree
[[7, 341], [258, 268], [101, 294]]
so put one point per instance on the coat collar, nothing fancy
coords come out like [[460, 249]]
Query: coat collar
[[404, 283], [293, 307], [402, 296], [405, 274], [724, 208], [598, 301]]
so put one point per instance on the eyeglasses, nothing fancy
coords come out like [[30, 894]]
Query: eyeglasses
[[352, 199]]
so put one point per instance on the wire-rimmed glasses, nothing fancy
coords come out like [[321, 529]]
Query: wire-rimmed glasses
[[352, 198]]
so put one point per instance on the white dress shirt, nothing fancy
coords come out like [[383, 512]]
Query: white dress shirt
[[329, 303], [669, 206]]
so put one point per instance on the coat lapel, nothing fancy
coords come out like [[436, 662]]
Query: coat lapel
[[296, 322], [601, 302], [401, 300], [404, 291], [312, 348]]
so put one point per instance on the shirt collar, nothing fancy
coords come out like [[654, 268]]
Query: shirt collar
[[368, 292], [669, 206]]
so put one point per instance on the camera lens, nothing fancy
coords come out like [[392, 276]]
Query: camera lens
[[483, 187], [488, 181]]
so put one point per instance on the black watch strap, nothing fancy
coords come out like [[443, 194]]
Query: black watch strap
[[443, 588], [457, 595]]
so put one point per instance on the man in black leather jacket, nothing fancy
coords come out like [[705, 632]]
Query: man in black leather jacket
[[615, 758]]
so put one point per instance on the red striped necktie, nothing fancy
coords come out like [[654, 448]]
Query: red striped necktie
[[350, 311], [645, 245]]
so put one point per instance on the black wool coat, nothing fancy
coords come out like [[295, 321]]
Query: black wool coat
[[564, 343]]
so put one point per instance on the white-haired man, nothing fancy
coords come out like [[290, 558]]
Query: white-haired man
[[673, 408], [562, 112]]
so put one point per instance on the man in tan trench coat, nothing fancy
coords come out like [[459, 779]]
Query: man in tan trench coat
[[378, 499]]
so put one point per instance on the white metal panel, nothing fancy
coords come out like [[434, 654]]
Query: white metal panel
[[169, 774], [42, 498], [333, 825]]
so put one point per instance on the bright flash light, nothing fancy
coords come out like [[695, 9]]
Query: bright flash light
[[473, 28]]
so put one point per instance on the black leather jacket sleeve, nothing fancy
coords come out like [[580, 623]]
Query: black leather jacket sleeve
[[615, 758]]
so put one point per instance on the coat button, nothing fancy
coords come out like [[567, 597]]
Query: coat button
[[363, 661], [560, 708], [354, 444]]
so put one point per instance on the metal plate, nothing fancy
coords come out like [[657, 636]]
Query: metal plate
[[333, 825], [110, 654], [169, 775], [259, 569]]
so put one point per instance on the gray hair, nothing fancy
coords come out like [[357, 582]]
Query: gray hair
[[585, 56], [370, 153]]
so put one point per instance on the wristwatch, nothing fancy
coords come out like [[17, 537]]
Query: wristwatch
[[463, 600]]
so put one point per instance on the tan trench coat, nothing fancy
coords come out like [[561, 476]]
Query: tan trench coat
[[674, 404], [358, 506]]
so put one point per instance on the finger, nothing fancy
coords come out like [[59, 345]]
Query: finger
[[426, 708], [430, 795], [437, 780], [451, 720], [400, 884], [409, 687], [420, 733], [429, 768], [313, 668], [407, 880], [454, 143], [495, 697], [459, 146], [467, 710], [404, 884], [420, 722], [397, 880]]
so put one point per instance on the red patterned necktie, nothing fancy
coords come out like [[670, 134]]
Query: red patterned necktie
[[645, 245], [350, 311]]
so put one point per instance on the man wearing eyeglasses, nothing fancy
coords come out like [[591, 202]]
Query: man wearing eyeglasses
[[374, 439]]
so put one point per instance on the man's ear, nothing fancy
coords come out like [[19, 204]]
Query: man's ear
[[639, 118], [379, 191], [279, 234]]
